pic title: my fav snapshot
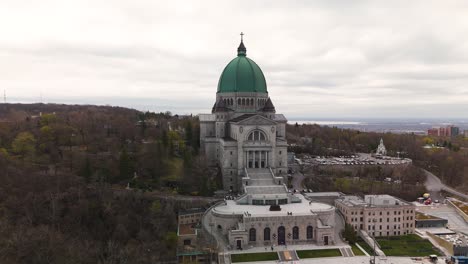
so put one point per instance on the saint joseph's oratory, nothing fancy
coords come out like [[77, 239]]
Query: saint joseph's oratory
[[246, 138]]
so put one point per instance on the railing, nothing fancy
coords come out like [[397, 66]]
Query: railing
[[206, 226]]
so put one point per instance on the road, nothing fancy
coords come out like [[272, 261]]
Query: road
[[434, 185], [297, 179]]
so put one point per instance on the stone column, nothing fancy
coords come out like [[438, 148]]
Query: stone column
[[253, 162], [261, 157]]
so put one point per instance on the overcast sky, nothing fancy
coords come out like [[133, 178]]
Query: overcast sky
[[321, 59]]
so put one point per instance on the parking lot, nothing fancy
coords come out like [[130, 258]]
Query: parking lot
[[357, 159]]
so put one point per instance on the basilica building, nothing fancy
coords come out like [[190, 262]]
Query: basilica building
[[246, 139], [243, 131]]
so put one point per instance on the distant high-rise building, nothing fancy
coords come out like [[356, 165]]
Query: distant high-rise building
[[448, 131], [454, 131], [466, 133], [433, 131]]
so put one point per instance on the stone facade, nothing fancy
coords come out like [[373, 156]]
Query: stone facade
[[244, 131], [247, 140], [378, 215], [255, 228]]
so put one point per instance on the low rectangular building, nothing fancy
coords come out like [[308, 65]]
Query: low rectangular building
[[190, 216], [378, 215], [429, 221]]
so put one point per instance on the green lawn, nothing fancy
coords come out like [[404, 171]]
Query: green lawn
[[366, 247], [410, 245], [319, 253], [254, 257], [356, 250]]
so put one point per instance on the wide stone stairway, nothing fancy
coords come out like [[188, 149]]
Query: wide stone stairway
[[260, 177], [261, 181]]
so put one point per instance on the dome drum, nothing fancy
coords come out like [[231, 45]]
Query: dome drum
[[240, 101]]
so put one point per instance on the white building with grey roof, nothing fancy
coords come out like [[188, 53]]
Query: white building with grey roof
[[378, 215]]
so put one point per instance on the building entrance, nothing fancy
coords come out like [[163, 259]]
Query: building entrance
[[281, 235], [256, 159]]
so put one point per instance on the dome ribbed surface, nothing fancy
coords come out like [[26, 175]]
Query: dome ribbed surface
[[242, 75]]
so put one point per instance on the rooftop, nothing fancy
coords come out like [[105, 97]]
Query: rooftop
[[302, 208], [422, 216], [187, 229], [191, 211], [379, 200], [241, 117], [323, 194]]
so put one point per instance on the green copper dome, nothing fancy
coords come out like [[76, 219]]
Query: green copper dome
[[242, 75]]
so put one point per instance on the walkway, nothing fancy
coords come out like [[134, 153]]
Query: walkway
[[346, 252], [289, 255], [297, 180], [371, 242]]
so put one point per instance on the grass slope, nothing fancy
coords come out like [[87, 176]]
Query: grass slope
[[319, 253], [410, 245], [356, 250], [254, 257]]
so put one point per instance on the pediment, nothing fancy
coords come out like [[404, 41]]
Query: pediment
[[257, 120]]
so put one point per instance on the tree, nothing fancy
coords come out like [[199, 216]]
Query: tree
[[350, 234], [188, 132], [86, 171], [24, 144], [125, 165]]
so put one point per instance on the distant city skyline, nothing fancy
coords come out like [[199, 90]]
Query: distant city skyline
[[321, 59]]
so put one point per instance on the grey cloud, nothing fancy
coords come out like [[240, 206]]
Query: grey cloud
[[320, 59]]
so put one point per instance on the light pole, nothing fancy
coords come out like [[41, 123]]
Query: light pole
[[372, 261], [211, 243]]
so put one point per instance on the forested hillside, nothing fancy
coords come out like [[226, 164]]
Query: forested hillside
[[448, 158], [77, 181], [65, 170]]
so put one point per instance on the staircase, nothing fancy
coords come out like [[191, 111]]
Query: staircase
[[260, 177]]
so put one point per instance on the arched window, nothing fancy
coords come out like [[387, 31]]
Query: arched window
[[238, 101], [232, 102], [266, 234], [257, 135], [252, 234], [295, 232], [243, 101], [310, 231], [251, 101]]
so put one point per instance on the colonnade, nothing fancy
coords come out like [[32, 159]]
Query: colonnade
[[257, 159]]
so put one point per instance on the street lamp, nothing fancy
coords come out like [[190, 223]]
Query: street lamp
[[211, 243], [372, 261]]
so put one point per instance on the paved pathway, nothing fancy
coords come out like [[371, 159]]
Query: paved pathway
[[346, 252], [297, 180], [362, 260], [289, 255]]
